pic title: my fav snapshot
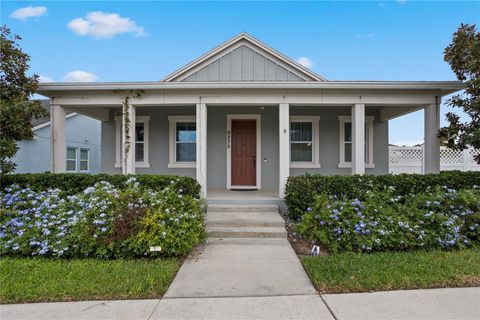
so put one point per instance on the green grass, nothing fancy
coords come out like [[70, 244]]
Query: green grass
[[36, 279], [348, 272]]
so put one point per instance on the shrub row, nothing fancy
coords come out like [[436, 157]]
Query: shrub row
[[72, 183], [102, 221], [441, 218], [301, 190]]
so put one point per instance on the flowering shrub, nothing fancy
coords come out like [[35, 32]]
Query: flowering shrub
[[74, 183], [441, 218], [300, 191], [102, 221]]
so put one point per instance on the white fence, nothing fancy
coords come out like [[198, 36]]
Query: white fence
[[410, 160]]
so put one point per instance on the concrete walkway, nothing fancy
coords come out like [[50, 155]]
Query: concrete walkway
[[457, 303], [248, 270]]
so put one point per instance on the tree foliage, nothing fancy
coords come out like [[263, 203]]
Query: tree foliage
[[16, 108], [463, 56]]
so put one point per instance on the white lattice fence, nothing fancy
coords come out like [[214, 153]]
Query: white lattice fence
[[410, 160]]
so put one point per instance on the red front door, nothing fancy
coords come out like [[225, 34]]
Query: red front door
[[244, 152]]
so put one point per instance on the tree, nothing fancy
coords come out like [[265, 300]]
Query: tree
[[16, 89], [463, 56]]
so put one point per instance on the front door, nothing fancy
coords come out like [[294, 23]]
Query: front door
[[244, 153]]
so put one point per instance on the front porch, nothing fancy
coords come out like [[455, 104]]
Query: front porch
[[289, 138]]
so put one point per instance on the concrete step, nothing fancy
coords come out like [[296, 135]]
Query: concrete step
[[242, 208], [247, 232], [245, 219]]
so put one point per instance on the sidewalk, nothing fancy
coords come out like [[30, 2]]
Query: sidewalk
[[456, 303]]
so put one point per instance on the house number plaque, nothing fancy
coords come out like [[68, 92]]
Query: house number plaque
[[229, 138]]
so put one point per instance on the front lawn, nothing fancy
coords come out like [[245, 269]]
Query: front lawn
[[350, 272], [36, 279]]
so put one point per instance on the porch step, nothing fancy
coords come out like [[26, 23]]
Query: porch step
[[244, 219], [242, 208], [247, 232]]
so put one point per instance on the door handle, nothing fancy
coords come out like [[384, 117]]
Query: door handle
[[254, 162]]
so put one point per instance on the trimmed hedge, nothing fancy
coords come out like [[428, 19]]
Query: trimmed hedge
[[301, 190], [72, 183]]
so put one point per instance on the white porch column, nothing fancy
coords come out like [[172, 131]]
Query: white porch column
[[432, 143], [284, 147], [201, 119], [58, 144], [128, 154], [358, 139]]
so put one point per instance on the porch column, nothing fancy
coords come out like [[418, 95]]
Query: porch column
[[432, 143], [201, 119], [58, 144], [128, 139], [358, 139], [284, 147]]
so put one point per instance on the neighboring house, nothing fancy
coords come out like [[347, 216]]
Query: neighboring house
[[410, 159], [82, 138], [244, 116]]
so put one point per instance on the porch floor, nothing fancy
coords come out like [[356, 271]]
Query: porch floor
[[225, 194]]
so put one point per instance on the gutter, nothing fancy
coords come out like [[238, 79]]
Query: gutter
[[156, 85]]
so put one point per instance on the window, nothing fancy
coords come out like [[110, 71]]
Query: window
[[346, 136], [141, 136], [71, 159], [304, 146], [139, 142], [84, 157], [183, 142]]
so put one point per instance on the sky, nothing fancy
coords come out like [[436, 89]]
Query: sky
[[147, 40]]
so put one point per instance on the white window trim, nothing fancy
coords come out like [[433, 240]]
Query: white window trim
[[76, 159], [118, 137], [172, 162], [344, 119], [80, 160], [258, 164], [315, 163]]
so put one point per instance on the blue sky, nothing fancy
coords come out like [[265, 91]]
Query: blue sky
[[142, 41]]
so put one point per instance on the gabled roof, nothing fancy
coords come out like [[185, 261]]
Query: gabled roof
[[243, 58]]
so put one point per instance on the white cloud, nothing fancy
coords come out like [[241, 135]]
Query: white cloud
[[304, 61], [401, 1], [28, 12], [80, 76], [44, 79], [364, 36], [104, 25]]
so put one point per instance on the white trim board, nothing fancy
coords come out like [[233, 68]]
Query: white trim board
[[258, 164]]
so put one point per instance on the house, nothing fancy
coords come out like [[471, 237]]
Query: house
[[82, 145], [244, 116]]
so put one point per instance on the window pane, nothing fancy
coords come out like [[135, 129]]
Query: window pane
[[348, 152], [71, 153], [83, 154], [301, 131], [301, 152], [295, 131], [71, 165], [186, 131], [186, 152], [83, 165], [139, 148], [139, 132], [306, 131], [348, 131]]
